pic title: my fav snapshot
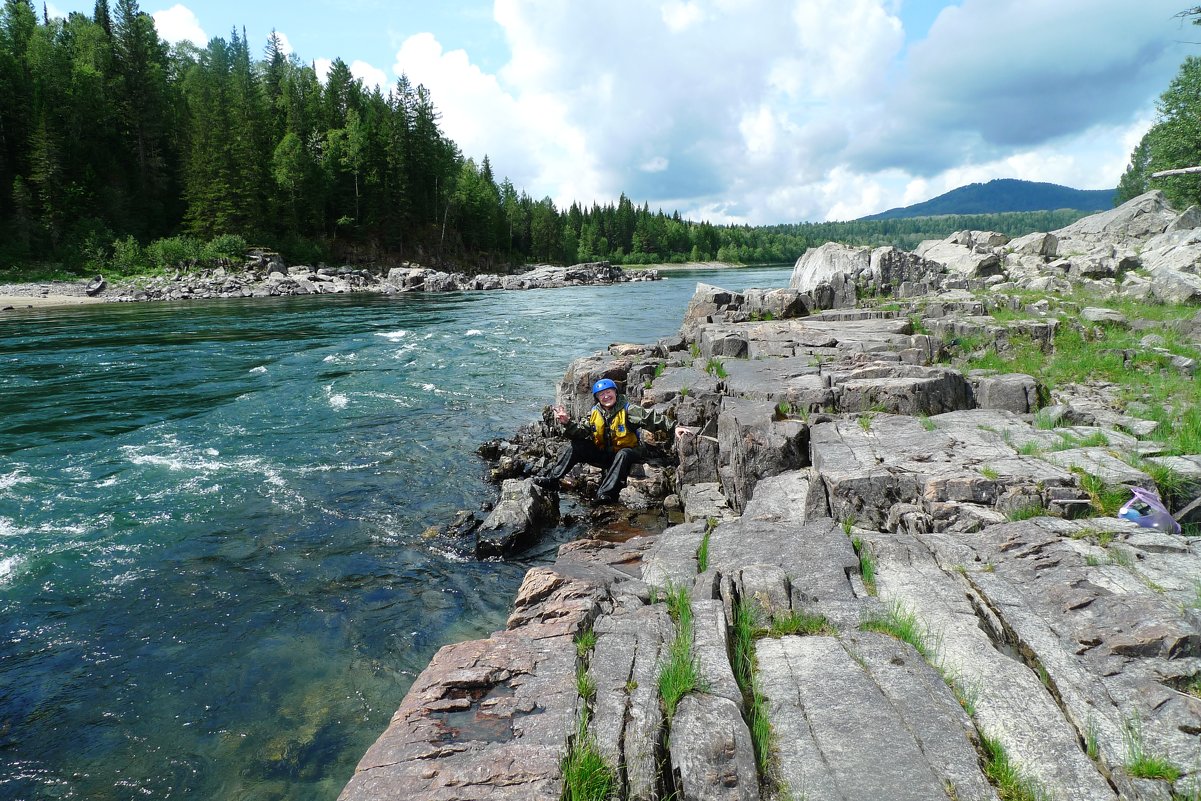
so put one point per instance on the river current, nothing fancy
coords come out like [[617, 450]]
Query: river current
[[213, 582]]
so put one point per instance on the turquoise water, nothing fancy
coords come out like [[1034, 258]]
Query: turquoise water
[[212, 579]]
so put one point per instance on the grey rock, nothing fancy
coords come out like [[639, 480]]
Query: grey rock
[[523, 512], [818, 694], [1135, 220], [823, 265], [1014, 392], [711, 753], [753, 445], [1011, 705]]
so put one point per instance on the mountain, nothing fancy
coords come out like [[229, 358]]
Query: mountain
[[1005, 194]]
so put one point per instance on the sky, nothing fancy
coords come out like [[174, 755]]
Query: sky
[[749, 111]]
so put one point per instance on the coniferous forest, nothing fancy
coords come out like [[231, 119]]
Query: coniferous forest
[[120, 152]]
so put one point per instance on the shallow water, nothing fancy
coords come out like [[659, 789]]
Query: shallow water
[[212, 576]]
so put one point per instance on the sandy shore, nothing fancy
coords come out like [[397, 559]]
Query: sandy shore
[[17, 302]]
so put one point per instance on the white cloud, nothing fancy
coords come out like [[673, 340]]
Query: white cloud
[[369, 75], [758, 111], [285, 45], [680, 15], [177, 24]]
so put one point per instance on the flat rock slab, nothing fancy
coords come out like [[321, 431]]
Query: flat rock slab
[[487, 719], [865, 720], [626, 718], [1011, 705], [1115, 644], [712, 758], [786, 567]]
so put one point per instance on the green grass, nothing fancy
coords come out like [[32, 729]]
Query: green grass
[[1139, 762], [679, 674], [1011, 783], [897, 621], [865, 422], [716, 368], [926, 422], [586, 776], [1106, 499], [1044, 420], [867, 564], [702, 552], [990, 473], [1031, 448], [694, 350], [1092, 740], [800, 623], [743, 662], [1099, 353], [585, 685], [585, 641], [1025, 512]]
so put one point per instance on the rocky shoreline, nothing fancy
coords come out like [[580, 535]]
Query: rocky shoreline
[[263, 274], [890, 577]]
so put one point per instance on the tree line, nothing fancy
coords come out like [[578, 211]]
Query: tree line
[[1174, 139], [117, 149]]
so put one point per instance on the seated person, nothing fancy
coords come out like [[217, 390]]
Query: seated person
[[607, 438]]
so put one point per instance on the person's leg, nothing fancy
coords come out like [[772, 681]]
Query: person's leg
[[615, 477], [578, 450]]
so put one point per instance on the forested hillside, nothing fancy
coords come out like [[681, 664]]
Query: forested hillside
[[119, 152], [1003, 195]]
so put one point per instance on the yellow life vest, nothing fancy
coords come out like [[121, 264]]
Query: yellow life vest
[[621, 435]]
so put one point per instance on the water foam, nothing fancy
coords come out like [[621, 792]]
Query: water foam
[[262, 368], [10, 480], [8, 566], [393, 336]]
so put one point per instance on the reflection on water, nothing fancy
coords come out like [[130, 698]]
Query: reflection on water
[[212, 579]]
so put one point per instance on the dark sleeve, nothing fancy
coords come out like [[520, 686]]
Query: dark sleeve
[[649, 419]]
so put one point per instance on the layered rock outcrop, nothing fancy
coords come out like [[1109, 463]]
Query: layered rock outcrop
[[890, 579]]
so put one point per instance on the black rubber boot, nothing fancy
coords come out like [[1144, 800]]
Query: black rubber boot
[[559, 469], [615, 477]]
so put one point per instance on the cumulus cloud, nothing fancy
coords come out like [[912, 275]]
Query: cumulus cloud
[[177, 24], [756, 111]]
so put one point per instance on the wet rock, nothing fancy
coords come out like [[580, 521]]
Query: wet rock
[[523, 512]]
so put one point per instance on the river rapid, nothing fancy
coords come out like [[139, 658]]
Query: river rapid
[[213, 582]]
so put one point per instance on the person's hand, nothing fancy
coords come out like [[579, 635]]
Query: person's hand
[[561, 414], [682, 430]]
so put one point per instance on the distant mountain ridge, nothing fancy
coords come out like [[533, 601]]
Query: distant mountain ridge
[[1002, 195]]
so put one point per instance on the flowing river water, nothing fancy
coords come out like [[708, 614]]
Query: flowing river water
[[212, 577]]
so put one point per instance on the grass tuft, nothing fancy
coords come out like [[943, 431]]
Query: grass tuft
[[1141, 764], [897, 621], [679, 674], [743, 662], [585, 641], [586, 776], [800, 623], [867, 564], [1011, 783], [1025, 512]]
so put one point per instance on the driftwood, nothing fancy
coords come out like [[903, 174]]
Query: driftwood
[[1181, 171]]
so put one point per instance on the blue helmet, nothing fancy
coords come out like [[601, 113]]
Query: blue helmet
[[602, 385]]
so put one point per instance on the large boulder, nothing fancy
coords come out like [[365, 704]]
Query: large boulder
[[962, 260], [523, 512], [1133, 222]]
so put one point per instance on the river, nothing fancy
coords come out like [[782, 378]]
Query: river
[[212, 577]]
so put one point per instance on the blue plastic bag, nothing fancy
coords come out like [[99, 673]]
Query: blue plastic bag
[[1148, 511]]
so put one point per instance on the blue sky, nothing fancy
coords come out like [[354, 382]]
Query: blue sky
[[757, 111]]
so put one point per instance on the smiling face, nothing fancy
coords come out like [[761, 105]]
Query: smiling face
[[606, 397]]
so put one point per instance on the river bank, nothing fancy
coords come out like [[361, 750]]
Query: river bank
[[901, 572]]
